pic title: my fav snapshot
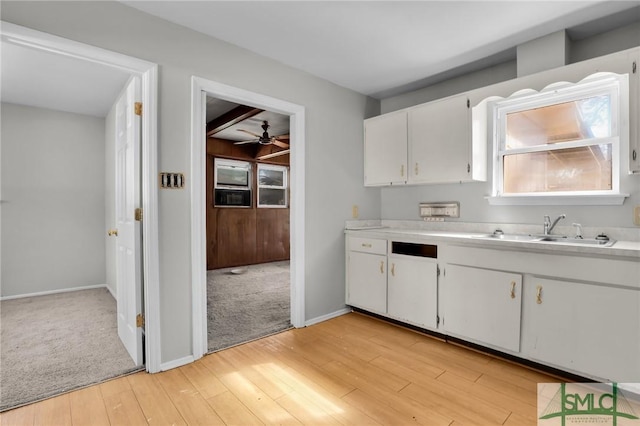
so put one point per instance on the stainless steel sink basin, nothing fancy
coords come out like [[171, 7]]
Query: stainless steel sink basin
[[506, 237], [576, 241]]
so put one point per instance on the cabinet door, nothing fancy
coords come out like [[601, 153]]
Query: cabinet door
[[593, 330], [413, 290], [367, 281], [482, 305], [385, 149], [440, 141]]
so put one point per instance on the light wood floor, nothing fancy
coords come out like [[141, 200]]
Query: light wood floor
[[350, 370]]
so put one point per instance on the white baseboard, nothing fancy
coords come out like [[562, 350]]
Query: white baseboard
[[44, 293], [176, 363], [327, 316]]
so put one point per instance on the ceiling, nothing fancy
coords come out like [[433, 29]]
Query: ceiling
[[382, 48], [379, 48], [278, 123], [42, 79]]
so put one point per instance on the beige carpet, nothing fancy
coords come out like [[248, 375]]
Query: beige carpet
[[244, 307], [55, 343]]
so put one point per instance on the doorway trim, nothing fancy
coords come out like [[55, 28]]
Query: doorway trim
[[148, 72], [200, 88]]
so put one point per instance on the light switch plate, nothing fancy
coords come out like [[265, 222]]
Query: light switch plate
[[171, 180]]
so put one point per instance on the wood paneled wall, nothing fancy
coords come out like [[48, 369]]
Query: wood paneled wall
[[239, 236]]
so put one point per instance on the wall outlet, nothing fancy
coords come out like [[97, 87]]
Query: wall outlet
[[354, 211], [636, 215]]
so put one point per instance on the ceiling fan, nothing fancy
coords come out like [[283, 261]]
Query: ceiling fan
[[265, 139]]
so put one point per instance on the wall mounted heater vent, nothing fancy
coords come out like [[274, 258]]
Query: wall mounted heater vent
[[438, 211], [171, 180]]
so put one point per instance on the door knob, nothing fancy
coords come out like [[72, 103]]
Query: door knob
[[112, 232]]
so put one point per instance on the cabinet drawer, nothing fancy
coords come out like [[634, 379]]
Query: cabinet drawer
[[368, 245]]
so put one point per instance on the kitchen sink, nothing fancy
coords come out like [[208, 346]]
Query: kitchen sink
[[576, 241], [507, 237], [559, 239]]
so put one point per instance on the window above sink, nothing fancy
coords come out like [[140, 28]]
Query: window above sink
[[561, 145]]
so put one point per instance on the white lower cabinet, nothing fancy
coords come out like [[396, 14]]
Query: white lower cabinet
[[582, 327], [482, 306], [575, 313], [413, 290], [367, 274]]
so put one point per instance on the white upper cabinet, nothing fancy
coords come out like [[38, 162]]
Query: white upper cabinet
[[429, 143], [385, 149], [440, 145]]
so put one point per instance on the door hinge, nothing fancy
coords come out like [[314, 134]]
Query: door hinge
[[468, 168], [138, 215], [437, 320], [438, 269], [137, 108], [468, 103], [140, 320], [634, 67]]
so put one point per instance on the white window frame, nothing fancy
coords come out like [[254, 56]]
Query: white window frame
[[243, 165], [614, 85], [285, 185]]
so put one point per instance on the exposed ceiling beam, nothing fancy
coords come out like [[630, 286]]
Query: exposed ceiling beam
[[228, 119], [273, 154]]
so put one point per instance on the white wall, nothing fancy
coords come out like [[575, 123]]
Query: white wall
[[615, 40], [53, 193], [401, 203], [621, 38], [481, 78], [334, 160]]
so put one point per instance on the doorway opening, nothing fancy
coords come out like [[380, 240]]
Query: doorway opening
[[44, 97], [201, 90], [247, 211]]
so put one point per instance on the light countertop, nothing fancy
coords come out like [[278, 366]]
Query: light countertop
[[470, 235]]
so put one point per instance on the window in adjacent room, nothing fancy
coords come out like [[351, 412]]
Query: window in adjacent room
[[272, 186], [564, 141]]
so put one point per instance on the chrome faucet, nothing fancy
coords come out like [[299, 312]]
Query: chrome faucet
[[548, 226]]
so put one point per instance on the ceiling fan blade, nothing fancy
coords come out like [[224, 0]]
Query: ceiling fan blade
[[282, 137], [281, 144], [251, 133], [244, 142], [272, 155]]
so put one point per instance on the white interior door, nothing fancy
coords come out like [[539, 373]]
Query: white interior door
[[129, 237]]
